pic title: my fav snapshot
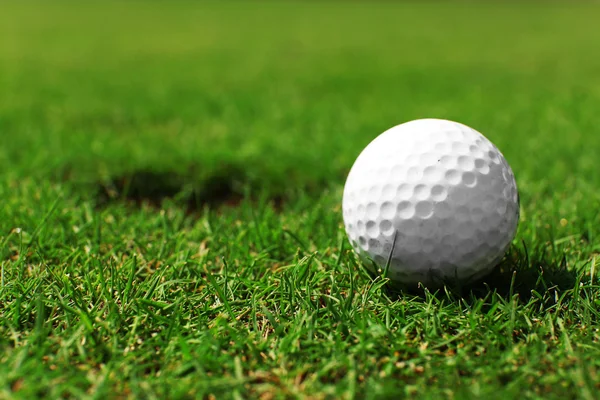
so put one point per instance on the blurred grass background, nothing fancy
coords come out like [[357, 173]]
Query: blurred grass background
[[276, 86]]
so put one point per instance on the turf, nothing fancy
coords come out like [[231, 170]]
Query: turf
[[170, 189]]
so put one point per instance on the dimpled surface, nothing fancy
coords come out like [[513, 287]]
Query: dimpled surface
[[443, 191]]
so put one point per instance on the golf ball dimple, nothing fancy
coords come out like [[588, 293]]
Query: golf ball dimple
[[438, 196]]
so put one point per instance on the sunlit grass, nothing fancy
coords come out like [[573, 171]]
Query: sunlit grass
[[170, 199]]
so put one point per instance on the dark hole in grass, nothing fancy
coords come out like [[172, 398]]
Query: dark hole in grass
[[224, 186]]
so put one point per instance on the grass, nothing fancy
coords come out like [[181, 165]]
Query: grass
[[170, 220]]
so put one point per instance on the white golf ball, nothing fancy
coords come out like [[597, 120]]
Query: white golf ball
[[434, 197]]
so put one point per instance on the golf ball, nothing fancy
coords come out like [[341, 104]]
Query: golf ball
[[435, 198]]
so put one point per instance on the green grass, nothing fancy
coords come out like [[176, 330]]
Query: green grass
[[170, 193]]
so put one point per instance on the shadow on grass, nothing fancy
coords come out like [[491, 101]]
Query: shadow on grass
[[518, 273]]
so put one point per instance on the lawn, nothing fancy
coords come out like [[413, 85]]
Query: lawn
[[170, 199]]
